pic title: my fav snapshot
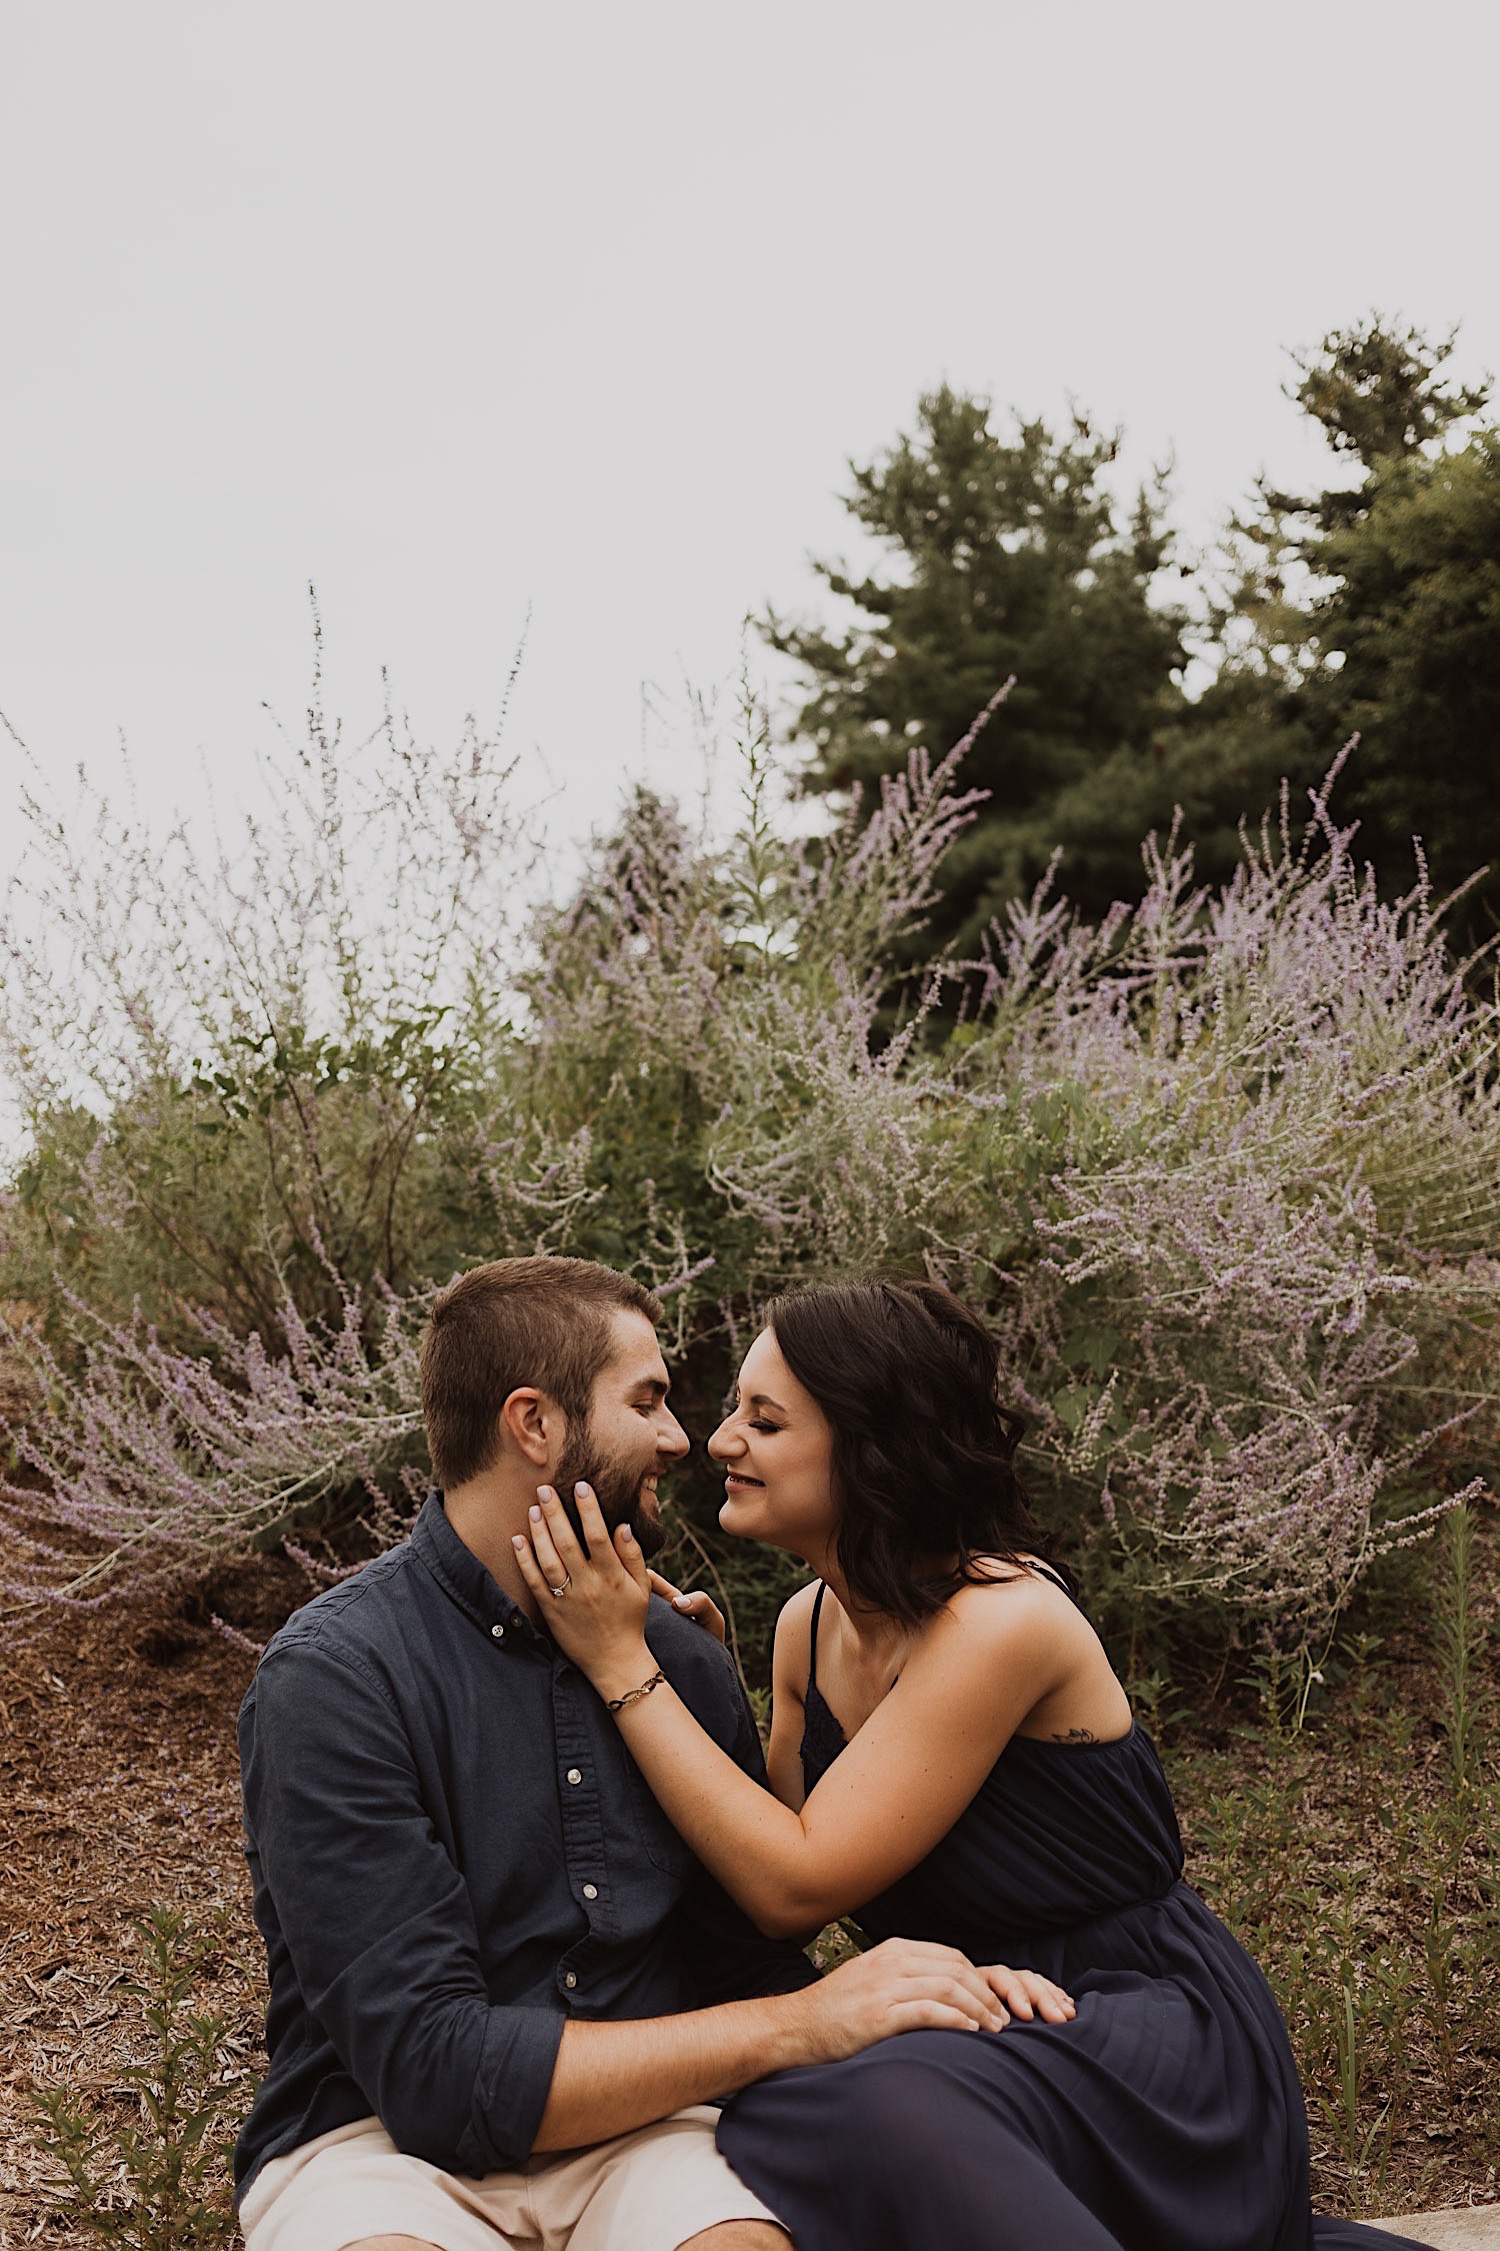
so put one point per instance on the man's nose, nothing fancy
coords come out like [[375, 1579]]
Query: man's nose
[[672, 1438]]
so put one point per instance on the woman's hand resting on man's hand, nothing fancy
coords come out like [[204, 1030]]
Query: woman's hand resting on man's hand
[[912, 1985]]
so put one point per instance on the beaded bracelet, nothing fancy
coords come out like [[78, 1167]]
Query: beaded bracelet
[[618, 1703]]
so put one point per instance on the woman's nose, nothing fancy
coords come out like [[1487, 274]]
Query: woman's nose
[[725, 1442]]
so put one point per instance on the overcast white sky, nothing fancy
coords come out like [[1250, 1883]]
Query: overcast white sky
[[461, 307]]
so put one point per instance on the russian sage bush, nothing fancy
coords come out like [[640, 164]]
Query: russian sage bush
[[1252, 1141], [154, 1462], [1223, 1171], [242, 1067]]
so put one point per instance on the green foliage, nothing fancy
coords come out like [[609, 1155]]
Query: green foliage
[[1414, 614], [277, 1165], [1220, 765], [158, 2181], [1461, 1639], [271, 1067], [1006, 559], [1380, 396], [1373, 608], [1370, 607]]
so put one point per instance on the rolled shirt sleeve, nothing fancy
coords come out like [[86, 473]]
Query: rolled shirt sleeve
[[378, 1922], [453, 1854]]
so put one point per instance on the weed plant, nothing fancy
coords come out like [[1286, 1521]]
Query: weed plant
[[157, 2180]]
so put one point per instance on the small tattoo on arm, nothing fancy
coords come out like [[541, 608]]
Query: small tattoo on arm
[[1076, 1735]]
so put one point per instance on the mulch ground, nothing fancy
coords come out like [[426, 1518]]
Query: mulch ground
[[118, 1789]]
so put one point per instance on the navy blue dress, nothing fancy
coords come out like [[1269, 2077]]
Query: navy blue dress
[[1167, 2116]]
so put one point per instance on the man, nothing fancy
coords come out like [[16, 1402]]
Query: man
[[503, 1994]]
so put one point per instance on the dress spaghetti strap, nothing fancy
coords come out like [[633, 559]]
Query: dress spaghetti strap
[[812, 1639]]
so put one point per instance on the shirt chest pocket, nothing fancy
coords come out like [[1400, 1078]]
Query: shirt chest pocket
[[635, 1828], [664, 1848]]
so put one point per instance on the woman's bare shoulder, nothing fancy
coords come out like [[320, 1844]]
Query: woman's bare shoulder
[[798, 1607], [1005, 1600], [792, 1653]]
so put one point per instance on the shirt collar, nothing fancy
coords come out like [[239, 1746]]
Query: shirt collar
[[465, 1579]]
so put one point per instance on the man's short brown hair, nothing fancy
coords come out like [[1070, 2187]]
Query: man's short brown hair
[[516, 1321]]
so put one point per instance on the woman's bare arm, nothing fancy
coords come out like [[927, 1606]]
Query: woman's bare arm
[[977, 1670], [791, 1664]]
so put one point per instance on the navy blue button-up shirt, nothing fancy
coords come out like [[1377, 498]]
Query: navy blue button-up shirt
[[452, 1854]]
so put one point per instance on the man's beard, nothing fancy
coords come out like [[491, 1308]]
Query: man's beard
[[617, 1489]]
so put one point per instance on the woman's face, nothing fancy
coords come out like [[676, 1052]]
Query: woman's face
[[777, 1450]]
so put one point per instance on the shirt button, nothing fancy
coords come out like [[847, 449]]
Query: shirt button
[[498, 1632], [571, 1980], [591, 1891], [574, 1775]]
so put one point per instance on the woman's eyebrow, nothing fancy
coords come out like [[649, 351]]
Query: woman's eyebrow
[[764, 1399]]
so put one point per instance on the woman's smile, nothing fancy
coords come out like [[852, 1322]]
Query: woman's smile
[[775, 1449]]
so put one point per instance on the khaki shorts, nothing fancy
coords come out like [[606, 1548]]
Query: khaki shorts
[[647, 2191]]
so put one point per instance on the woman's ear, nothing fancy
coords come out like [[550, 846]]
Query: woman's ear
[[527, 1422]]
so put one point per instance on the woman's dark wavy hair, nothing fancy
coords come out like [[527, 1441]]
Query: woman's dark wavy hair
[[923, 1452]]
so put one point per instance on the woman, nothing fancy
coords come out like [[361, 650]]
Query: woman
[[954, 1759]]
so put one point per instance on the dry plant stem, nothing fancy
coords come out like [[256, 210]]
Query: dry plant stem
[[1460, 1639]]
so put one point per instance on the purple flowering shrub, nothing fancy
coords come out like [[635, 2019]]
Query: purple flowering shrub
[[239, 1061], [152, 1463], [262, 1081], [1224, 1170], [1247, 1145]]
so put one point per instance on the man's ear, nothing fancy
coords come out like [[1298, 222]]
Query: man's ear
[[532, 1423]]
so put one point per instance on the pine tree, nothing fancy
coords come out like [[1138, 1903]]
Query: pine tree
[[1005, 559], [1396, 635]]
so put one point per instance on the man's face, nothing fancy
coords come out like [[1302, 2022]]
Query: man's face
[[631, 1437]]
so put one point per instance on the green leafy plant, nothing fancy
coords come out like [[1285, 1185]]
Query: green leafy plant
[[157, 2181]]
